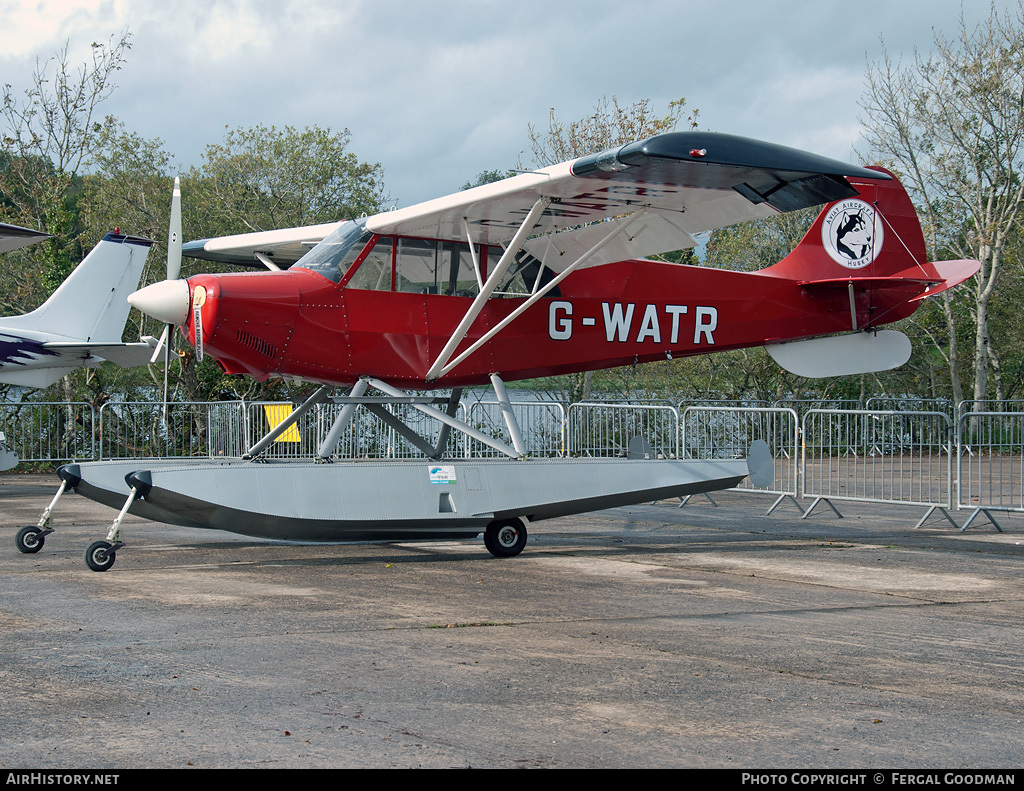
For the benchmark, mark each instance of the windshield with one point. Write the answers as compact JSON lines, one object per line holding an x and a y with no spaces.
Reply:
{"x":334,"y":255}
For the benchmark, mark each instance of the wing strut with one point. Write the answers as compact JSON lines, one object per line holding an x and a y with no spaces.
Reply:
{"x":473,"y":253}
{"x":621,"y":226}
{"x":488,"y":287}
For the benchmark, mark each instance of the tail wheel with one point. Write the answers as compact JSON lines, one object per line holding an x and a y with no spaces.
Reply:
{"x":100,"y":556}
{"x":28,"y":540}
{"x":505,"y":538}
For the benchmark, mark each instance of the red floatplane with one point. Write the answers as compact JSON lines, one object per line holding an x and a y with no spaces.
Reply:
{"x":540,"y":274}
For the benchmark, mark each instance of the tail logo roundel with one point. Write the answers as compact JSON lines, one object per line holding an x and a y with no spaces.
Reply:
{"x":852,"y":233}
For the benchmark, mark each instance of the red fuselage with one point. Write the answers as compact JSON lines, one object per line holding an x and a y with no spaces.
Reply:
{"x":300,"y":324}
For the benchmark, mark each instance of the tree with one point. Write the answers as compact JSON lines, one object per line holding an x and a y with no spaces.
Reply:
{"x":611,"y":124}
{"x":128,"y":186}
{"x":49,"y":136}
{"x":952,"y":125}
{"x":488,"y":177}
{"x":262,"y":178}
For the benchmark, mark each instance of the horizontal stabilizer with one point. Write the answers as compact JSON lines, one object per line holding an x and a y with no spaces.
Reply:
{"x":14,"y":236}
{"x":126,"y":355}
{"x":953,"y":273}
{"x":34,"y":377}
{"x":843,"y":355}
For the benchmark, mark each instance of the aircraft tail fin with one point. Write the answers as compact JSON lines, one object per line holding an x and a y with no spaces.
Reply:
{"x":92,"y":303}
{"x":863,"y":258}
{"x":874,"y":235}
{"x":871,"y":247}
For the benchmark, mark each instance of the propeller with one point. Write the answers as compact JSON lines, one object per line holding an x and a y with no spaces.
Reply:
{"x":163,"y":300}
{"x":173,"y":270}
{"x":173,"y":266}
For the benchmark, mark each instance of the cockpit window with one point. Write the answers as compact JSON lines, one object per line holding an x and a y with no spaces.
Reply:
{"x":335,"y":254}
{"x":374,"y":273}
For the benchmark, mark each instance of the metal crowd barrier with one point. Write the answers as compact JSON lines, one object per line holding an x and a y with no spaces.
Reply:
{"x":881,"y":457}
{"x":49,"y":431}
{"x":199,"y":428}
{"x":991,"y":476}
{"x":718,"y":432}
{"x":802,"y":405}
{"x":909,"y":404}
{"x":542,"y":423}
{"x":915,"y":457}
{"x":604,"y":430}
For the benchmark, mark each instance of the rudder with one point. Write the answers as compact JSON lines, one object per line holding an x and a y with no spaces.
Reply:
{"x":92,"y":303}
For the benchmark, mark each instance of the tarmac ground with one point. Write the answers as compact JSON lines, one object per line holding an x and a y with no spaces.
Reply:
{"x":650,"y":636}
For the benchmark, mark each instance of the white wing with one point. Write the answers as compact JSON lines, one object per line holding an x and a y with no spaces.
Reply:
{"x":688,"y":181}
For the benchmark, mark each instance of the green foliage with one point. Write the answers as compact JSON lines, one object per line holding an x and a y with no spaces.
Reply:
{"x":49,"y":135}
{"x":261,"y":178}
{"x":951,"y":124}
{"x":488,"y":177}
{"x":611,"y":124}
{"x":758,"y":244}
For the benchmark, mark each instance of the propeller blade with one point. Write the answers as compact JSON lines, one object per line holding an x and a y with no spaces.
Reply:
{"x":174,"y":234}
{"x":167,"y":368}
{"x":160,"y":344}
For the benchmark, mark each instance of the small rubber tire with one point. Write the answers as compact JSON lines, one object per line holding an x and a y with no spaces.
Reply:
{"x":505,"y":538}
{"x":28,"y":540}
{"x":99,"y":556}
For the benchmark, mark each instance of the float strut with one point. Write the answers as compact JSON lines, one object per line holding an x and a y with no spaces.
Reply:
{"x":508,"y":414}
{"x":340,"y":423}
{"x":287,"y":423}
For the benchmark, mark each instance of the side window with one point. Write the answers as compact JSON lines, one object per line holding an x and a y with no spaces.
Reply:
{"x":418,"y":266}
{"x":446,"y":268}
{"x":458,"y":279}
{"x":512,"y":284}
{"x":374,"y":273}
{"x":522,"y":276}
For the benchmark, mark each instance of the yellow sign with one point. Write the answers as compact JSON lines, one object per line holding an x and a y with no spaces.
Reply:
{"x":277,"y":413}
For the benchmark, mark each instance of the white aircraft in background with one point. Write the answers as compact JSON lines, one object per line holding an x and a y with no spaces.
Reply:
{"x":82,"y":321}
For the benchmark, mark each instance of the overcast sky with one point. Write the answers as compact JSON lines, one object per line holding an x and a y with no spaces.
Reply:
{"x":439,"y":91}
